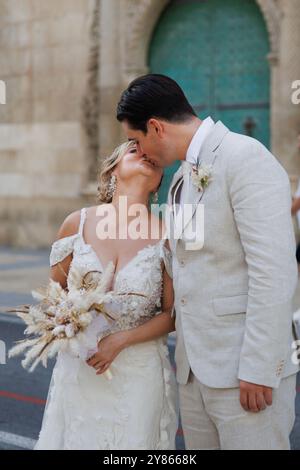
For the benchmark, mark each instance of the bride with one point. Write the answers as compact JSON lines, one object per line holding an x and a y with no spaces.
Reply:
{"x":137,"y":408}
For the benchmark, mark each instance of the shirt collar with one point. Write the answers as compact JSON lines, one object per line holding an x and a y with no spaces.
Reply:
{"x":198,"y":139}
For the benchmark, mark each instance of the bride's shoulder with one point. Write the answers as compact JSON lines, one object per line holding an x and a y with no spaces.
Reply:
{"x":70,"y":225}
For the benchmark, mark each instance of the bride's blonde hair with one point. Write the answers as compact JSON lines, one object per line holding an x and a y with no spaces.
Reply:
{"x":106,"y":169}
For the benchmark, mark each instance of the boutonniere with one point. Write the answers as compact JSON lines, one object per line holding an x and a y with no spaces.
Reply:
{"x":201,"y":176}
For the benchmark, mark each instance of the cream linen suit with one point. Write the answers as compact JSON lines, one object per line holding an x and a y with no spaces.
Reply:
{"x":233,"y":298}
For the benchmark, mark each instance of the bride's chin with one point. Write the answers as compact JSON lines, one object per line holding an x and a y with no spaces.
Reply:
{"x":147,"y":169}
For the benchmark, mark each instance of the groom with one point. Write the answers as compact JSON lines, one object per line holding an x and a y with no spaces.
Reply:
{"x":233,"y":291}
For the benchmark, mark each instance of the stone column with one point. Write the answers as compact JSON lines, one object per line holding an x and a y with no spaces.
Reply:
{"x":110,"y":76}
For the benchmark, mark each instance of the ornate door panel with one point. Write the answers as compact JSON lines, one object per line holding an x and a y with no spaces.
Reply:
{"x":217,"y":51}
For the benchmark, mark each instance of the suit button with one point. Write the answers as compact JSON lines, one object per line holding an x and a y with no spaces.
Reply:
{"x":182,"y":263}
{"x":183,"y":301}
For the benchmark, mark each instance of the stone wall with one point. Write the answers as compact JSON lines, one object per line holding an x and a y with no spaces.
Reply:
{"x":44,"y":50}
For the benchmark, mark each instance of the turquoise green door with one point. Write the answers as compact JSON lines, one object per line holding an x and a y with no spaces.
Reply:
{"x":217,"y":51}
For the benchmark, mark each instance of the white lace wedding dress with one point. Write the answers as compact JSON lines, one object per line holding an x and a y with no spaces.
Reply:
{"x":138,"y":408}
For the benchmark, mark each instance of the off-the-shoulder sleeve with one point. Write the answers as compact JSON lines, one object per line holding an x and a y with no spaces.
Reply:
{"x":62,"y":248}
{"x":166,"y":256}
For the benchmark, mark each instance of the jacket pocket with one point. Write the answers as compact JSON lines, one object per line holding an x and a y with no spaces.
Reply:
{"x":230,"y":305}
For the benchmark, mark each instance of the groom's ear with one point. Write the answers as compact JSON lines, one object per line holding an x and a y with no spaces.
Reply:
{"x":156,"y":126}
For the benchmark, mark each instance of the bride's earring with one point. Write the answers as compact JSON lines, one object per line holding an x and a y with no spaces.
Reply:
{"x":112,"y":186}
{"x":155,"y":197}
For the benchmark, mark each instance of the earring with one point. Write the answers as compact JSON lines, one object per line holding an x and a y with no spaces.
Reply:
{"x":112,"y":186}
{"x":155,"y":197}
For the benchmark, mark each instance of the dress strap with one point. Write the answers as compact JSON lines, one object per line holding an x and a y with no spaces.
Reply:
{"x":82,"y":220}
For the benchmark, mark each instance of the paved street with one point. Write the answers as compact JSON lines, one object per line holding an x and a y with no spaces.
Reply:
{"x":23,"y":395}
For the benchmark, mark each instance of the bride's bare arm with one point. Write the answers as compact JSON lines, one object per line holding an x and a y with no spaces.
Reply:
{"x":110,"y":346}
{"x":160,"y":324}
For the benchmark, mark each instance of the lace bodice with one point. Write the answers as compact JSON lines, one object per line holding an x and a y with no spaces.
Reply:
{"x":142,"y":275}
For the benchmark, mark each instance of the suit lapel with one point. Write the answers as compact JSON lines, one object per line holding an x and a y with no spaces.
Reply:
{"x":176,"y":181}
{"x":174,"y":188}
{"x":207,"y":156}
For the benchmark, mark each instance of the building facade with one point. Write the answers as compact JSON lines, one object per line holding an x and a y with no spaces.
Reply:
{"x":65,"y":64}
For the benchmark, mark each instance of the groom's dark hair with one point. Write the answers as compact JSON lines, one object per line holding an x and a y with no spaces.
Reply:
{"x":153,"y":96}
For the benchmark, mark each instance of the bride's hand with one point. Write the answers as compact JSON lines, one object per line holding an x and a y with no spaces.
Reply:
{"x":108,"y":348}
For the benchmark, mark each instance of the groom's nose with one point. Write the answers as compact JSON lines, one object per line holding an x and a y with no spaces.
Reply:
{"x":139,"y":152}
{"x":139,"y":149}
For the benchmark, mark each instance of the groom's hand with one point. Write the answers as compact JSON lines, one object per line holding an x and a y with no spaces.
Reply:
{"x":255,"y":397}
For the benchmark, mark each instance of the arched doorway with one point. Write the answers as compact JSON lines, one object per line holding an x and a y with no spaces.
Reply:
{"x":217,"y":51}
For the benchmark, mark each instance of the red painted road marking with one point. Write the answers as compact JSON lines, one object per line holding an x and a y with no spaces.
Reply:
{"x":16,"y":396}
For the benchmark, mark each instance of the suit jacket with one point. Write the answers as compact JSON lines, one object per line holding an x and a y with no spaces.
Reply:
{"x":233,"y":296}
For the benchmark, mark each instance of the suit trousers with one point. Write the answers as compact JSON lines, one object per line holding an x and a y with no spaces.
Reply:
{"x":213,"y":418}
